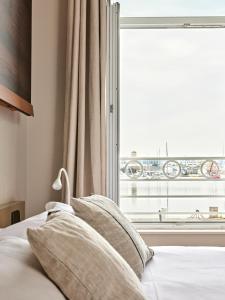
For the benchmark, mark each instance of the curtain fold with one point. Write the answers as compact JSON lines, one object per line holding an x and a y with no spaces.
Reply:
{"x":85,"y":116}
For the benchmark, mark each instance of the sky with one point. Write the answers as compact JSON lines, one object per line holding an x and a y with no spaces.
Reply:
{"x":154,"y":8}
{"x":172,"y":82}
{"x":172,"y":89}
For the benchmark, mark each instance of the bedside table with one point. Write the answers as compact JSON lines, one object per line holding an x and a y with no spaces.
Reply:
{"x":11,"y":213}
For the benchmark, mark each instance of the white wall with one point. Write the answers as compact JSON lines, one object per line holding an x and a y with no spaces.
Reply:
{"x":184,"y":237}
{"x":13,"y":142}
{"x":45,"y":130}
{"x":31,"y":148}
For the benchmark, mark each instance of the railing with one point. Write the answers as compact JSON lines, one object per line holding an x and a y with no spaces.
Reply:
{"x":173,"y":175}
{"x":172,"y":168}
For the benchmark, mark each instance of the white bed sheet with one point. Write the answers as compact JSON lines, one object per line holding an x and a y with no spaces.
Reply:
{"x":20,"y":229}
{"x":186,"y":273}
{"x":174,"y":273}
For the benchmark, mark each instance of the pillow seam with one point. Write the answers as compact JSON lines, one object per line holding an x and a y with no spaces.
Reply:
{"x":123,"y":229}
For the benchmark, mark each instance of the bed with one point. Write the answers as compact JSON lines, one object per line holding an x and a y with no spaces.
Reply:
{"x":175,"y":273}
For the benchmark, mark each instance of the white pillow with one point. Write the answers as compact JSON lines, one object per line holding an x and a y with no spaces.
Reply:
{"x":81,"y":262}
{"x":22,"y":277}
{"x":107,"y":219}
{"x":59,"y":206}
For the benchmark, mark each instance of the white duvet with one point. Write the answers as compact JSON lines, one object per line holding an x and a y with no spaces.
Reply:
{"x":21,"y":276}
{"x":20,"y":229}
{"x":174,"y":273}
{"x":186,"y":273}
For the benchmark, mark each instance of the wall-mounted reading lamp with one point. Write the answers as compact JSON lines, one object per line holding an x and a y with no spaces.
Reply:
{"x":57,"y":185}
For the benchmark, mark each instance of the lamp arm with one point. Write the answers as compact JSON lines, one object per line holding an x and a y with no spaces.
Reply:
{"x":68,"y":196}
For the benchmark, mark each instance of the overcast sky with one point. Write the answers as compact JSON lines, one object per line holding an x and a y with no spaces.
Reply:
{"x":154,"y":8}
{"x":173,"y":89}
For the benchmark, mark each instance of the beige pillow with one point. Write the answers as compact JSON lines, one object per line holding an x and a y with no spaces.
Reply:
{"x":105,"y":217}
{"x":81,"y":262}
{"x":22,"y":277}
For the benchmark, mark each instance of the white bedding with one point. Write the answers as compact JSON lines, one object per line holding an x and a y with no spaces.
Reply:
{"x":22,"y":277}
{"x":174,"y":273}
{"x":186,"y":273}
{"x":20,"y":229}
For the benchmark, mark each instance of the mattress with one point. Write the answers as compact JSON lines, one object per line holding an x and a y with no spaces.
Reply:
{"x":174,"y":273}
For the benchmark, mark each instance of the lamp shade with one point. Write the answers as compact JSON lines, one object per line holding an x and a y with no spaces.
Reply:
{"x":57,"y":185}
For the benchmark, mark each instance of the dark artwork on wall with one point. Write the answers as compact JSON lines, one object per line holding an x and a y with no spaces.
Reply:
{"x":15,"y":54}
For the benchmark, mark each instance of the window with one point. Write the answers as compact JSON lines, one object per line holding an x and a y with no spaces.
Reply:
{"x":172,"y":142}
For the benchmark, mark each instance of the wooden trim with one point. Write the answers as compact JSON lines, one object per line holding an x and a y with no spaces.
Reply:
{"x":7,"y":209}
{"x":15,"y":102}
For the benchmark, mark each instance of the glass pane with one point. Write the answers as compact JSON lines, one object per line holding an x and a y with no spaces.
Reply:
{"x":172,"y":92}
{"x":171,"y":8}
{"x":172,"y":123}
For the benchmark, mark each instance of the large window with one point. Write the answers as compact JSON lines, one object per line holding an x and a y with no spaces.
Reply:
{"x":172,"y":107}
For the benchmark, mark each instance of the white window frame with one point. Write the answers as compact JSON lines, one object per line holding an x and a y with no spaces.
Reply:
{"x":115,"y":24}
{"x":171,"y":22}
{"x":112,"y":105}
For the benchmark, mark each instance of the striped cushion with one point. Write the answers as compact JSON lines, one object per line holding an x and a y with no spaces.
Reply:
{"x":106,"y":218}
{"x":81,"y":262}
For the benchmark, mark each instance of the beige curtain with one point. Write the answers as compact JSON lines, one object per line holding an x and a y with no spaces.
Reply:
{"x":85,"y":121}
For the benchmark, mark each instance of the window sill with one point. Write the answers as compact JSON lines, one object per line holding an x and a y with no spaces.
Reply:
{"x":181,"y":236}
{"x":146,"y":228}
{"x":181,"y":231}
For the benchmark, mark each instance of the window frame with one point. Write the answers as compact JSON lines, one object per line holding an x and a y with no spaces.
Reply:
{"x":112,"y":102}
{"x":113,"y":80}
{"x":171,"y":22}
